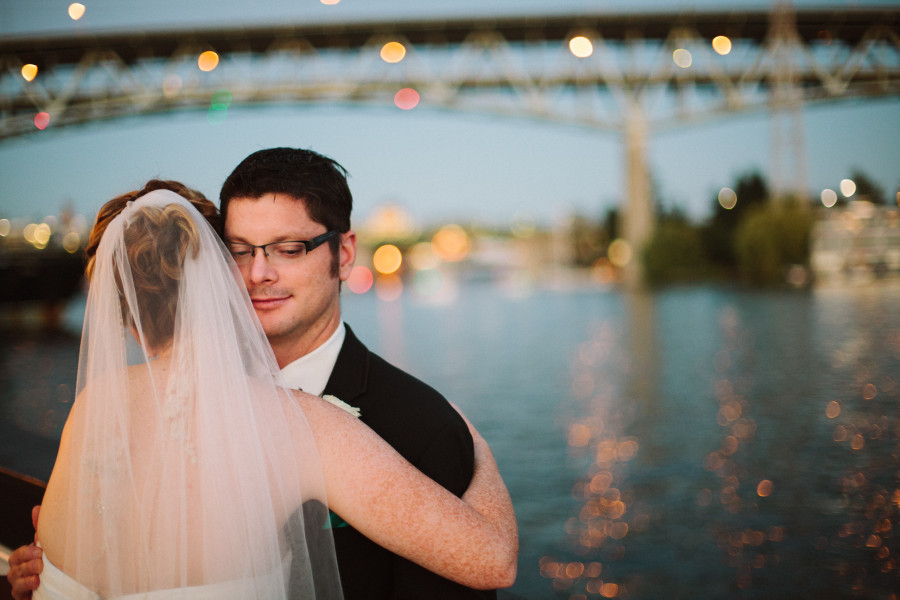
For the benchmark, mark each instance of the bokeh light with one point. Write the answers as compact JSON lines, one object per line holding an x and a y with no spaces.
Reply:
{"x":682,"y":58}
{"x":28,"y":233}
{"x":171,"y":85}
{"x":388,"y":287}
{"x":848,"y":187}
{"x":764,"y":489}
{"x":37,"y":234}
{"x":42,"y":234}
{"x":221,"y":99}
{"x":72,"y":242}
{"x":829,"y":198}
{"x":207,"y":61}
{"x":360,"y":280}
{"x":76,"y":11}
{"x":218,"y":106}
{"x":5,"y":227}
{"x":391,"y":222}
{"x":29,"y":72}
{"x":393,"y":52}
{"x":579,"y":435}
{"x":609,"y":590}
{"x":619,"y":253}
{"x":42,"y":120}
{"x":422,"y":256}
{"x":727,"y":198}
{"x":387,"y":259}
{"x":581,"y":47}
{"x":839,"y":434}
{"x":451,"y":243}
{"x":721,"y":44}
{"x":330,"y":2}
{"x":407,"y":99}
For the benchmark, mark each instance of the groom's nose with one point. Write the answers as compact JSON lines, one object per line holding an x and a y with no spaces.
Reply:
{"x":259,"y":270}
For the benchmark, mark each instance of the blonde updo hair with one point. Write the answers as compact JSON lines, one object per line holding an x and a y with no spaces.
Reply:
{"x":112,"y":208}
{"x":157,"y":242}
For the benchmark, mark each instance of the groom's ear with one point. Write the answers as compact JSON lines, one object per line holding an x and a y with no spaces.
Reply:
{"x":346,"y":254}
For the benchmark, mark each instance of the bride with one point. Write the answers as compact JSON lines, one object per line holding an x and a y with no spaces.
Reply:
{"x":186,"y":468}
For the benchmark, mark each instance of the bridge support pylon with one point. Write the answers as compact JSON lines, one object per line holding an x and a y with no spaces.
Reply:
{"x":638,"y":217}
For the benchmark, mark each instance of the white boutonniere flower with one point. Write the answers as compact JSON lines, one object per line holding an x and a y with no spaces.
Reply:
{"x":342,"y":405}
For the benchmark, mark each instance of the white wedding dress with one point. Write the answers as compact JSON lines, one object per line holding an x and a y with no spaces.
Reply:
{"x":56,"y":585}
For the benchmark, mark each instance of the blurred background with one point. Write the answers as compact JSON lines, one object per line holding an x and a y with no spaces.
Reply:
{"x":652,"y":249}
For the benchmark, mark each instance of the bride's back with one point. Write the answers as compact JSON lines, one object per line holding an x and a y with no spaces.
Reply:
{"x":172,"y":500}
{"x":182,"y":458}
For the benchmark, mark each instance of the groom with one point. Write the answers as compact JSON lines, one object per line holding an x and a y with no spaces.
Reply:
{"x":285,"y":194}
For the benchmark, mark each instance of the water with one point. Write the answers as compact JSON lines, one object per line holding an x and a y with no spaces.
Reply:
{"x":698,"y":442}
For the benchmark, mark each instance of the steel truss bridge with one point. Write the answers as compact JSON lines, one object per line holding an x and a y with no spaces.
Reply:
{"x":646,"y":72}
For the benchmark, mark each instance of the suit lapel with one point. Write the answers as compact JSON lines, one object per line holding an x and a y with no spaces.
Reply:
{"x":349,"y":378}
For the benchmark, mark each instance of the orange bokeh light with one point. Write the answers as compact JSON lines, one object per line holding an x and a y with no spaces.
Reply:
{"x":451,"y":243}
{"x":579,"y":435}
{"x":207,"y":61}
{"x":721,"y":44}
{"x":387,"y":259}
{"x":393,"y":52}
{"x":29,"y":72}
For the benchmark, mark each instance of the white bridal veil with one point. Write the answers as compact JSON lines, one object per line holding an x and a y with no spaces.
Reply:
{"x":185,"y":463}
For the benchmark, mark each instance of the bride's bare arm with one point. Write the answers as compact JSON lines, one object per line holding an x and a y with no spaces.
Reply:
{"x":472,"y":541}
{"x":487,"y":493}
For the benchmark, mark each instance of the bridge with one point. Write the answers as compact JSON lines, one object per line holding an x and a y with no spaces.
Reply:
{"x":628,"y":73}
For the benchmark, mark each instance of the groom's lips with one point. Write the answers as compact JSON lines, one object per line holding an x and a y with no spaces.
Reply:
{"x":268,"y":303}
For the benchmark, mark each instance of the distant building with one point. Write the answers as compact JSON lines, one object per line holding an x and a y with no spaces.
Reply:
{"x":856,"y":244}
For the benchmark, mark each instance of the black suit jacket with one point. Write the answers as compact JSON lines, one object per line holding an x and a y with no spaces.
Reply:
{"x":422,"y":426}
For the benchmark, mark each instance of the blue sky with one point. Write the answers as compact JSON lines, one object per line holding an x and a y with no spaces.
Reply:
{"x":437,"y":164}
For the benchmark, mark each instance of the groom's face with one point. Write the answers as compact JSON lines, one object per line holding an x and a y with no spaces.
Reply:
{"x":297,"y":303}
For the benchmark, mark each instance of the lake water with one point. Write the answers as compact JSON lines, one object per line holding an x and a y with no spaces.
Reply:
{"x":698,"y":442}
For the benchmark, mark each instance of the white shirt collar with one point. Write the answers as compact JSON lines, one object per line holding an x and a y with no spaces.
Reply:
{"x":310,"y":373}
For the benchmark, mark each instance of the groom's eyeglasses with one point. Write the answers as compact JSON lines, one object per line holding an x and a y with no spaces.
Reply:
{"x":278,"y":253}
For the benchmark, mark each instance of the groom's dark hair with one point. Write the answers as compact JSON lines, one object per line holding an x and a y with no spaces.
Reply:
{"x":318,"y":181}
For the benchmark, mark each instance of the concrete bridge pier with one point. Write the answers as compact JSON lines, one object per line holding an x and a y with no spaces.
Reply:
{"x":637,"y":217}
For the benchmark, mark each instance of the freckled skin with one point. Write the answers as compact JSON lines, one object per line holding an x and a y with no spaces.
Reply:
{"x":473,"y":540}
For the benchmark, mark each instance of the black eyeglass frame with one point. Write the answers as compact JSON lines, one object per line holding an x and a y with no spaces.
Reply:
{"x":309,"y":245}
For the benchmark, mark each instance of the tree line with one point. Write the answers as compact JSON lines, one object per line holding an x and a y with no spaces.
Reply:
{"x":756,"y":239}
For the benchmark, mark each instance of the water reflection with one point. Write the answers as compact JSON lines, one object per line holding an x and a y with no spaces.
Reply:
{"x":693,"y":443}
{"x":607,"y":434}
{"x":796,"y":492}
